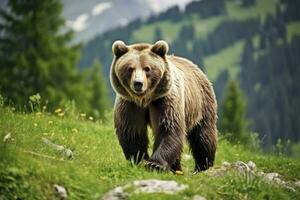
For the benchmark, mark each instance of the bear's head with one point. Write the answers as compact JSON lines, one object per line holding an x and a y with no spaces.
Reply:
{"x":140,"y":72}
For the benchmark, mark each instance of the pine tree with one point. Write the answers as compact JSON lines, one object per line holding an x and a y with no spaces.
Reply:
{"x":36,"y":55}
{"x":247,"y":63}
{"x":157,"y":34}
{"x":97,"y":85}
{"x":233,"y":122}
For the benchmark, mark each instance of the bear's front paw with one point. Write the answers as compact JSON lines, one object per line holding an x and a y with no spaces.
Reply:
{"x":154,"y":166}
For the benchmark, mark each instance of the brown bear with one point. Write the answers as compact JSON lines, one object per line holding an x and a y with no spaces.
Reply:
{"x":172,"y":96}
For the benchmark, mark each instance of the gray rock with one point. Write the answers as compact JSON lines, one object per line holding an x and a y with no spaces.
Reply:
{"x":297,"y":183}
{"x":226,"y":164}
{"x":241,"y":167}
{"x":251,"y":165}
{"x":290,"y":188}
{"x":269,"y":177}
{"x":274,"y":178}
{"x":60,"y":191}
{"x":117,"y":193}
{"x":144,"y":186}
{"x":197,"y":197}
{"x":158,"y":186}
{"x":261,"y":173}
{"x":279,"y":181}
{"x":217,"y":172}
{"x":68,"y":153}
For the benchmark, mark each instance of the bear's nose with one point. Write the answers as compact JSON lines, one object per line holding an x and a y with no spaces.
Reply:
{"x":138,"y":85}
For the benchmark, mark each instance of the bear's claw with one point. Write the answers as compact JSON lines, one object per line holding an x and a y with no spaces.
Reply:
{"x":155,"y":166}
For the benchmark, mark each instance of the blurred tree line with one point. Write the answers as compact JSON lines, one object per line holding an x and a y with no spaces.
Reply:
{"x":268,"y":73}
{"x":233,"y":114}
{"x":36,"y":56}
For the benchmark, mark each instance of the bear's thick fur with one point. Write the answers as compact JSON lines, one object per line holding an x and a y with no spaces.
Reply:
{"x":172,"y":96}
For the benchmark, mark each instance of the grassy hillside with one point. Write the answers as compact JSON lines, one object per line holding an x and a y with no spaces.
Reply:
{"x":171,"y":29}
{"x":227,"y":59}
{"x":204,"y":26}
{"x":29,"y":168}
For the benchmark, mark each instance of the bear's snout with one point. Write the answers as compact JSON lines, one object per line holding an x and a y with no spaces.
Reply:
{"x":138,"y":81}
{"x":138,"y":86}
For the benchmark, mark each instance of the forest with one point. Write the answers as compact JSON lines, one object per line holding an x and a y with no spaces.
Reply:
{"x":57,"y":133}
{"x":253,"y":42}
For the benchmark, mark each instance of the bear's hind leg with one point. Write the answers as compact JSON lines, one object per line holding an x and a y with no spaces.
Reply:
{"x":202,"y":140}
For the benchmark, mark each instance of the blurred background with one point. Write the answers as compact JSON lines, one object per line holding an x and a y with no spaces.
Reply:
{"x":59,"y":53}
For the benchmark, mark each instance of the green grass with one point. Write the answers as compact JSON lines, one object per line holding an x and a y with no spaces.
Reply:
{"x":170,"y":30}
{"x":229,"y":58}
{"x":203,"y":27}
{"x":293,"y":29}
{"x":99,"y":165}
{"x":261,"y":9}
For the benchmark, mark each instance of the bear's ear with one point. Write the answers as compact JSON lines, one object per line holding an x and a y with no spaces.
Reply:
{"x":119,"y":48}
{"x":160,"y":47}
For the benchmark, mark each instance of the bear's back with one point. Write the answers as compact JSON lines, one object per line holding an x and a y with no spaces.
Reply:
{"x":196,"y":85}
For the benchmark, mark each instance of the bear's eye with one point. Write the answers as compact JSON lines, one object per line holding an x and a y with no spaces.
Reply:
{"x":147,"y":69}
{"x":130,"y":69}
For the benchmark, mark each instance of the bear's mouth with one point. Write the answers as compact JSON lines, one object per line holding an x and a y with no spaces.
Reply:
{"x":139,"y":92}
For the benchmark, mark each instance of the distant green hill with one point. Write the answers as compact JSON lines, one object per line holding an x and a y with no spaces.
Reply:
{"x":233,"y":39}
{"x":29,"y":168}
{"x":139,"y":31}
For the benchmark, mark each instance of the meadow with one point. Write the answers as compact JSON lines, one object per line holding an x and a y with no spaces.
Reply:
{"x":30,"y":168}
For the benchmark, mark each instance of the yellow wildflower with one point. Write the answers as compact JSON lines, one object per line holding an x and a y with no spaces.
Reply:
{"x":179,"y":172}
{"x":61,"y":114}
{"x":58,"y":110}
{"x":74,"y":130}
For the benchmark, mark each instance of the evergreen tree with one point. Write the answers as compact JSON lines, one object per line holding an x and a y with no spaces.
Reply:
{"x":157,"y":34}
{"x":248,"y":3}
{"x":36,"y":55}
{"x":233,"y":123}
{"x":262,"y":40}
{"x":97,"y":86}
{"x":220,"y":85}
{"x":292,"y":10}
{"x":247,"y":63}
{"x":187,"y":32}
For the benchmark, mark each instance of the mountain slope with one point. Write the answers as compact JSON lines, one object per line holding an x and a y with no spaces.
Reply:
{"x":89,"y":18}
{"x":29,"y":168}
{"x":216,"y":36}
{"x":93,"y":17}
{"x":171,"y":29}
